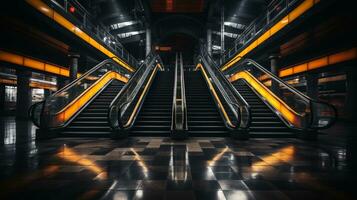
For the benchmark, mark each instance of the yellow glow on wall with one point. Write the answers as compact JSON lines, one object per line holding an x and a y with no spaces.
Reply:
{"x":294,"y":14}
{"x":320,"y":62}
{"x":289,"y":114}
{"x":67,"y":112}
{"x":49,"y":12}
{"x":199,"y":66}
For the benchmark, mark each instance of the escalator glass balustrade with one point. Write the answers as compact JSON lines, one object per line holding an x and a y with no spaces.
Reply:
{"x":294,"y":108}
{"x":62,"y":107}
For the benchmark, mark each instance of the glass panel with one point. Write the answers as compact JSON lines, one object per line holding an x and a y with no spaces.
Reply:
{"x":54,"y":107}
{"x":238,"y":108}
{"x":296,"y":108}
{"x":125,"y":106}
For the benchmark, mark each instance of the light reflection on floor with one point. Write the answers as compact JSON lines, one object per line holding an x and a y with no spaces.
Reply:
{"x":160,"y":168}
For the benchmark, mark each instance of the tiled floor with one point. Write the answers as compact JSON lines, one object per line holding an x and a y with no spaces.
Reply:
{"x":161,"y":168}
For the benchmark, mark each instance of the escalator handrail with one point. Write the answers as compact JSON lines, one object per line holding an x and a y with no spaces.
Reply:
{"x":121,"y":106}
{"x":238,"y":96}
{"x":237,"y":113}
{"x":68,"y":86}
{"x":114,"y":104}
{"x":183,"y":95}
{"x":123,"y":90}
{"x":179,"y":61}
{"x":306,"y":98}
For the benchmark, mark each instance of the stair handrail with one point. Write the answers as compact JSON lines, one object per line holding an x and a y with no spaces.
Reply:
{"x":312,"y":103}
{"x":179,"y":109}
{"x":244,"y":107}
{"x":41,"y":118}
{"x":123,"y":100}
{"x":232,"y":106}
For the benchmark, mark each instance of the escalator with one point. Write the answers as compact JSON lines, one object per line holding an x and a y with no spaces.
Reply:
{"x":154,"y":118}
{"x":264,"y":121}
{"x":81,"y":107}
{"x":203,"y":116}
{"x":92,"y":121}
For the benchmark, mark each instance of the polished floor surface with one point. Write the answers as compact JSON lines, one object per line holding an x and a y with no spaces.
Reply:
{"x":161,"y":168}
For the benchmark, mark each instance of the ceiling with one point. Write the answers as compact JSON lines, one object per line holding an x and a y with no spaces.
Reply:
{"x":170,"y":18}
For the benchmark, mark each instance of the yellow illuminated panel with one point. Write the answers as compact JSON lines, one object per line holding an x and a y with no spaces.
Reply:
{"x":289,"y":114}
{"x":49,"y":12}
{"x":32,"y":63}
{"x":320,"y":62}
{"x":67,"y":112}
{"x":199,"y":65}
{"x":298,"y":11}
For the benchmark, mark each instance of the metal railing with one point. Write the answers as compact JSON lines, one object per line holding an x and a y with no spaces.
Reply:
{"x":234,"y":103}
{"x":179,"y":125}
{"x":296,"y":109}
{"x":231,"y":93}
{"x":50,"y":113}
{"x":84,"y":20}
{"x":275,"y":10}
{"x":125,"y":107}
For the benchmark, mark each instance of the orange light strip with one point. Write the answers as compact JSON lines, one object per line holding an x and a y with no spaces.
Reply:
{"x":289,"y":114}
{"x":199,"y":65}
{"x":33,"y":63}
{"x":294,"y":14}
{"x":67,"y":112}
{"x":131,"y":118}
{"x":52,"y":14}
{"x":320,"y":62}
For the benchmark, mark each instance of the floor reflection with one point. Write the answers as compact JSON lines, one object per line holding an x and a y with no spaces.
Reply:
{"x":160,"y":168}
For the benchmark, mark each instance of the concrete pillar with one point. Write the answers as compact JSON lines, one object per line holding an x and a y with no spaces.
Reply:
{"x":209,"y":41}
{"x":312,"y":89}
{"x":148,"y":40}
{"x":222,"y":32}
{"x":24,"y":94}
{"x":73,"y":65}
{"x":2,"y":99}
{"x":274,"y":69}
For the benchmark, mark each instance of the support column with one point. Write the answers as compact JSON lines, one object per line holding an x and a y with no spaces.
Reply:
{"x":312,"y":87}
{"x":351,"y":110}
{"x":274,"y":69}
{"x":209,"y":41}
{"x":222,"y":32}
{"x":2,"y":99}
{"x":148,"y":41}
{"x":24,"y":97}
{"x":73,"y":65}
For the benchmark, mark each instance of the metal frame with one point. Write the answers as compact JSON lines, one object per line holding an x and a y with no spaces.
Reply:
{"x":179,"y":125}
